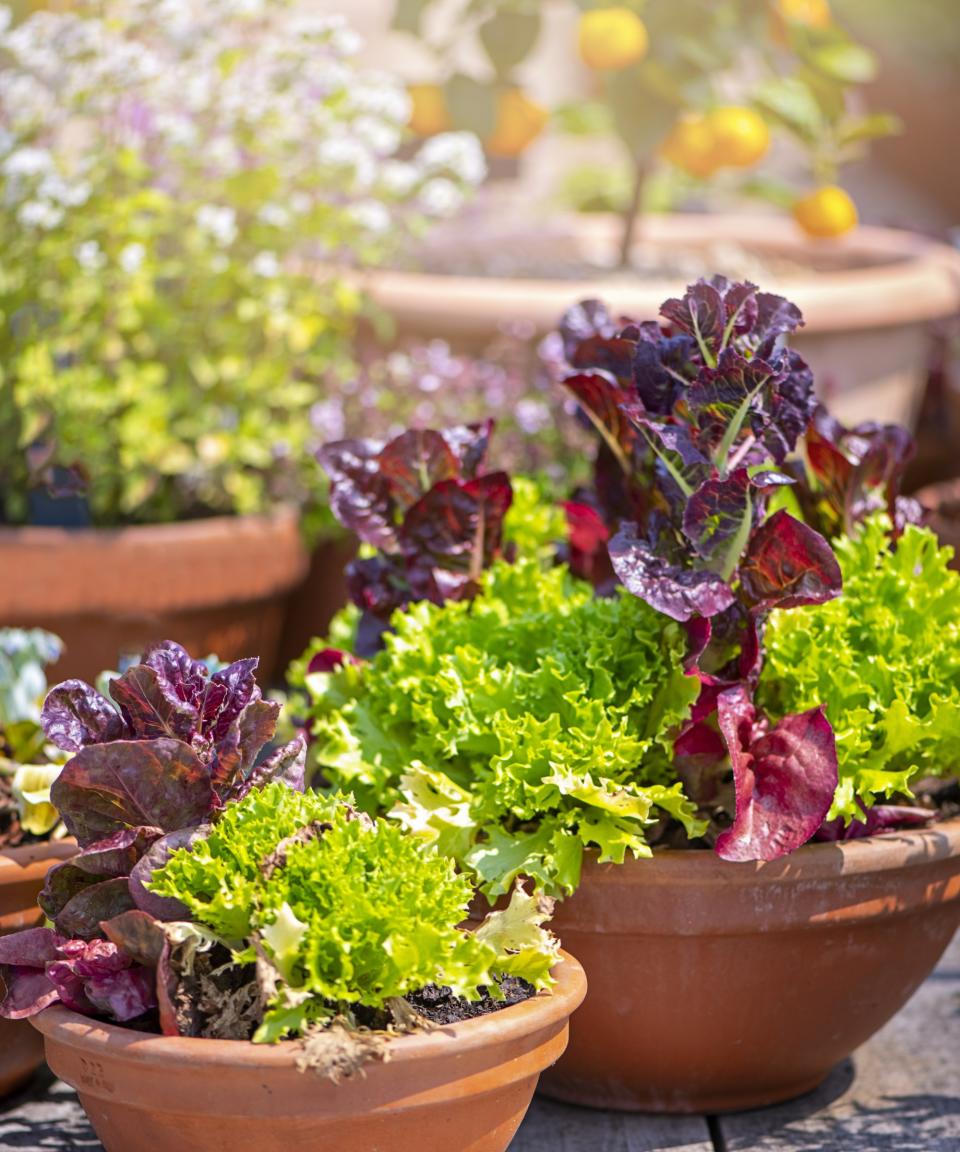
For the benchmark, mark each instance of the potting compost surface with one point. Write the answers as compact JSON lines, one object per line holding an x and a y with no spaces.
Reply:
{"x":899,"y":1093}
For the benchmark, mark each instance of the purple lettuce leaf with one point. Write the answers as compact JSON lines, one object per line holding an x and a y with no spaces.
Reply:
{"x":662,"y":369}
{"x":877,"y":820}
{"x":675,"y":591}
{"x":23,"y":960}
{"x":469,"y":443}
{"x":179,"y":675}
{"x":288,"y":763}
{"x":162,"y":907}
{"x":788,"y":565}
{"x":81,"y":916}
{"x":453,"y":533}
{"x":75,"y":715}
{"x":238,"y":749}
{"x":329,"y":660}
{"x":149,"y":711}
{"x":413,"y":462}
{"x":105,"y":860}
{"x":359,"y":492}
{"x":582,"y":322}
{"x":701,"y":313}
{"x":97,"y":977}
{"x":132,"y":784}
{"x":785,"y":778}
{"x":602,"y":399}
{"x":378,"y":584}
{"x":718,"y":513}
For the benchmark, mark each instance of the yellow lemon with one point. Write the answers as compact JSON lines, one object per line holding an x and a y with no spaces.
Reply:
{"x":428,"y":110}
{"x":827,"y":211}
{"x":520,"y":121}
{"x":691,"y":146}
{"x":740,"y":135}
{"x":612,"y":38}
{"x":806,"y":13}
{"x":811,"y":13}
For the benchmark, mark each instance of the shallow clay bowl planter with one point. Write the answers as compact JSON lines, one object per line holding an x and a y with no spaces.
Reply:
{"x":942,"y":505}
{"x":218,"y":585}
{"x":867,"y":298}
{"x":717,"y":986}
{"x":22,"y":872}
{"x":460,"y":1088}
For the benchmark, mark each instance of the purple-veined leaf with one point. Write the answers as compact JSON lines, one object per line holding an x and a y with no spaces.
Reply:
{"x":877,"y":820}
{"x":602,"y":399}
{"x":469,"y":443}
{"x":785,"y":778}
{"x":288,"y":764}
{"x":413,"y":462}
{"x":105,"y":860}
{"x":789,"y":565}
{"x":454,"y":532}
{"x":80,"y":917}
{"x":149,"y":711}
{"x":677,"y":592}
{"x":130,"y":784}
{"x":699,"y":312}
{"x":718,"y":514}
{"x":162,"y":907}
{"x":359,"y":492}
{"x":661,"y":369}
{"x":75,"y":715}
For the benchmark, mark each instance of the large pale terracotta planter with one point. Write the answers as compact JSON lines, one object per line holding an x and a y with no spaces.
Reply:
{"x":459,"y":1088}
{"x":216,"y":586}
{"x":717,"y":986}
{"x":868,"y":298}
{"x":22,"y":872}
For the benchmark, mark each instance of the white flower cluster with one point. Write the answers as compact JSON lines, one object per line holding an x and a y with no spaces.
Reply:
{"x":208,"y":95}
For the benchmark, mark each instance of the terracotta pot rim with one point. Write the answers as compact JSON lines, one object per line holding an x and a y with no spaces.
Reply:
{"x":198,"y":528}
{"x":825,"y":860}
{"x":146,"y":571}
{"x":539,"y":1012}
{"x":905,"y":278}
{"x":38,"y":856}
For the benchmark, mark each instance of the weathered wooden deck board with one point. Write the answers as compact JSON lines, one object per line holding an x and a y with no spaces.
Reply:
{"x":900,"y":1093}
{"x":551,"y":1127}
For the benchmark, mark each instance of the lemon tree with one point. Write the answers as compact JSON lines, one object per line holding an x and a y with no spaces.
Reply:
{"x":694,"y":90}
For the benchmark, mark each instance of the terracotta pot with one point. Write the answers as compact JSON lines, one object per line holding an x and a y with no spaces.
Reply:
{"x":942,"y":503}
{"x":22,"y":872}
{"x":867,"y":298}
{"x":717,"y":986}
{"x":314,"y":602}
{"x":459,"y":1088}
{"x":216,"y":586}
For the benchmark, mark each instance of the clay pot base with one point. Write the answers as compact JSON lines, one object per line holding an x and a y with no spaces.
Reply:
{"x":459,"y":1088}
{"x":717,"y":987}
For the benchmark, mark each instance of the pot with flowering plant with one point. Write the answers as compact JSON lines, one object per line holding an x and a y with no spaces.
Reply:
{"x":218,"y":922}
{"x":167,"y":332}
{"x":32,"y":838}
{"x":705,"y":103}
{"x":726,"y":762}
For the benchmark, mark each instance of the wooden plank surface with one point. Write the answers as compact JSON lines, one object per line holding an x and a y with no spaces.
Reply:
{"x":552,"y":1127}
{"x":899,"y":1093}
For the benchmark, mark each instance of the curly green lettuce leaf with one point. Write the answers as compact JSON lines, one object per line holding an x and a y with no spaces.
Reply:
{"x":344,"y":911}
{"x":516,"y":730}
{"x":885,"y":657}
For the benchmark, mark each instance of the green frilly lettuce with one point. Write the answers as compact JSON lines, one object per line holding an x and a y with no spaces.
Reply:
{"x":346,"y":910}
{"x":885,"y":659}
{"x":515,"y":730}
